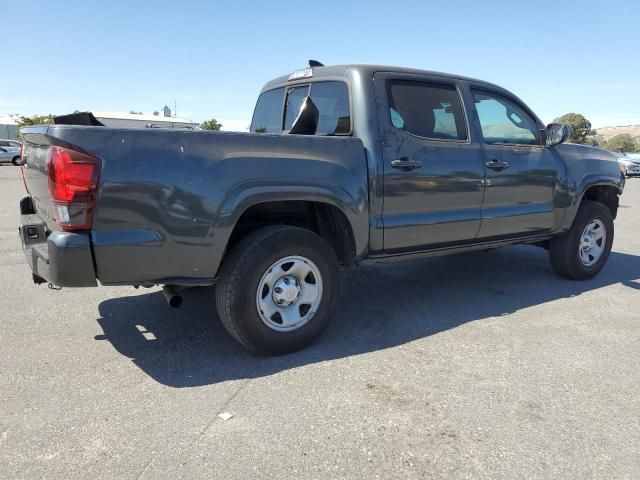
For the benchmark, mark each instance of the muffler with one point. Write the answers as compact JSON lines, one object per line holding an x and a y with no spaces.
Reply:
{"x":172,"y":295}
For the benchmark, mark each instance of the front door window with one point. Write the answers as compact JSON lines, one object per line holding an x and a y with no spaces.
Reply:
{"x":503,"y":121}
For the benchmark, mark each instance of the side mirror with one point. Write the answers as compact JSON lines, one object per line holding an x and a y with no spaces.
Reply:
{"x":557,"y":133}
{"x":2,"y":149}
{"x":306,"y":123}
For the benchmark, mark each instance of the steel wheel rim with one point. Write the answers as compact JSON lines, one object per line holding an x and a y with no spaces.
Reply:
{"x":289,"y":293}
{"x":592,"y":243}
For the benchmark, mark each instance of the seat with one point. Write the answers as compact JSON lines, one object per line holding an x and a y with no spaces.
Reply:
{"x":419,"y":120}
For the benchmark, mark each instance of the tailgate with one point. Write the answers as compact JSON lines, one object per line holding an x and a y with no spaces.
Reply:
{"x":59,"y":251}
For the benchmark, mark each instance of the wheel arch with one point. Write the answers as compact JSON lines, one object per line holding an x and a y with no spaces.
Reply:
{"x":605,"y":192}
{"x":331,"y":213}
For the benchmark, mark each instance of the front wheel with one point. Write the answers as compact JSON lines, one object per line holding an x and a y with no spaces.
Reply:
{"x":583,"y":251}
{"x":277,"y":289}
{"x":16,"y":161}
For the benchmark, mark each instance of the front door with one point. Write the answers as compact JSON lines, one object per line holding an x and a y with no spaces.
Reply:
{"x":433,"y":171}
{"x":521,"y":174}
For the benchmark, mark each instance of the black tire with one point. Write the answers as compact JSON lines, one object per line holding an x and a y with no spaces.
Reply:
{"x":242,"y":271}
{"x":564,"y":251}
{"x":16,"y":161}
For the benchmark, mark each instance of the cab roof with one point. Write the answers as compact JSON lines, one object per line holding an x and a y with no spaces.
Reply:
{"x":333,"y":71}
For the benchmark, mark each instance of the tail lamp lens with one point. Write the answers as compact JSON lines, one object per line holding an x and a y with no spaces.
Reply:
{"x":73,"y":183}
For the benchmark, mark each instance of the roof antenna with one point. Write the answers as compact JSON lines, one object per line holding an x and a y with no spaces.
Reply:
{"x":315,"y":63}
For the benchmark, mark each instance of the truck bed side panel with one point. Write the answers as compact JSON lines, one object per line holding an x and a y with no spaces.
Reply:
{"x":168,"y":200}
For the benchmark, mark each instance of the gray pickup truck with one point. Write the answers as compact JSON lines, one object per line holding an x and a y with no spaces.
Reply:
{"x":342,"y":164}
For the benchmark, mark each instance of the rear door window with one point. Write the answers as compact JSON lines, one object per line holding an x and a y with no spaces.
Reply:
{"x":428,"y":110}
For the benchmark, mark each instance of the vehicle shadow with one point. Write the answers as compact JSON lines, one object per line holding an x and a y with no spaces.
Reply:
{"x":381,"y":306}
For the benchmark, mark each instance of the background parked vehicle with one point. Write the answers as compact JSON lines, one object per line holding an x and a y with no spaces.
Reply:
{"x":630,"y":166}
{"x":10,"y":143}
{"x":10,"y":151}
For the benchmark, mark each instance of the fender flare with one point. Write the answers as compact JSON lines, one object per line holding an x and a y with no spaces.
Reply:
{"x":246,"y":195}
{"x":577,"y":197}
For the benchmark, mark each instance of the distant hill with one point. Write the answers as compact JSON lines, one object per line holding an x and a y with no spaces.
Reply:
{"x":608,"y":132}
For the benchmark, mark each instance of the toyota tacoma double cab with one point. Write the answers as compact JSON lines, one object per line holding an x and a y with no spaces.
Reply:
{"x":341,"y":164}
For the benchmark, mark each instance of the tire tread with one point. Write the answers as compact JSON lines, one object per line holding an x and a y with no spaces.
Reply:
{"x":562,"y":254}
{"x":238,"y":268}
{"x":230,"y":276}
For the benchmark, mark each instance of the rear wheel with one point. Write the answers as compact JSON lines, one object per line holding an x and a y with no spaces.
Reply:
{"x":16,"y":161}
{"x":583,"y":251}
{"x":277,"y":289}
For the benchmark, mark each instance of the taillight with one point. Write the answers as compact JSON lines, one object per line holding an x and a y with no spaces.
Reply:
{"x":73,"y":183}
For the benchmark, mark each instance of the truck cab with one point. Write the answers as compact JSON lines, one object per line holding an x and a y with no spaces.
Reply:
{"x":452,"y":160}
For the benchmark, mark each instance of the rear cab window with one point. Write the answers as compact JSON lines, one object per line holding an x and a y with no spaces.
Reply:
{"x":277,"y":109}
{"x":267,"y":117}
{"x":295,"y":97}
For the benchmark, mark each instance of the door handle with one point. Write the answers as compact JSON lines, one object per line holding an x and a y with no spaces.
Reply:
{"x":497,"y":165}
{"x":405,"y":164}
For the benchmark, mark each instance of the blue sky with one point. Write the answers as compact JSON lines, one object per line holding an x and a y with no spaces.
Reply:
{"x":213,"y":57}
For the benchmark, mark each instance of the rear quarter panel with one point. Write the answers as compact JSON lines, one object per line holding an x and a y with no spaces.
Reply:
{"x":168,"y":200}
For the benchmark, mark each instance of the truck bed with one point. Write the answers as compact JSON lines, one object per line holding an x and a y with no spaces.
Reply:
{"x":167,"y":201}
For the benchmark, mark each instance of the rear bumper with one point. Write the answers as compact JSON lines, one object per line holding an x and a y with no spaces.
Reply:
{"x":61,"y":258}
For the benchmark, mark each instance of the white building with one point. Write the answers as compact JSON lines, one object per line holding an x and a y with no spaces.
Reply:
{"x":9,"y":126}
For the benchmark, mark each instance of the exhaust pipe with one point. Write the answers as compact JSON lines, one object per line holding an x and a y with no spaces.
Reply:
{"x":172,"y":295}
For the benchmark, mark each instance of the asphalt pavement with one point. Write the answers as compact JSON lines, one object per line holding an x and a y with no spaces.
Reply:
{"x":482,"y":365}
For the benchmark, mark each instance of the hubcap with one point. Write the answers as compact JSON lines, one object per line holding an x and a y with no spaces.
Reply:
{"x":592,"y":242}
{"x":286,"y":290}
{"x":289,"y":293}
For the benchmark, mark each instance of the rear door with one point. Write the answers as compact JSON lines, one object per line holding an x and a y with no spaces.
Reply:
{"x":522,"y":175}
{"x":433,"y":170}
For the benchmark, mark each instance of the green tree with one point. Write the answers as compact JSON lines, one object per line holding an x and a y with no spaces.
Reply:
{"x":133,"y":112}
{"x":580,"y":127}
{"x":622,"y":143}
{"x":212,"y":124}
{"x":35,"y":120}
